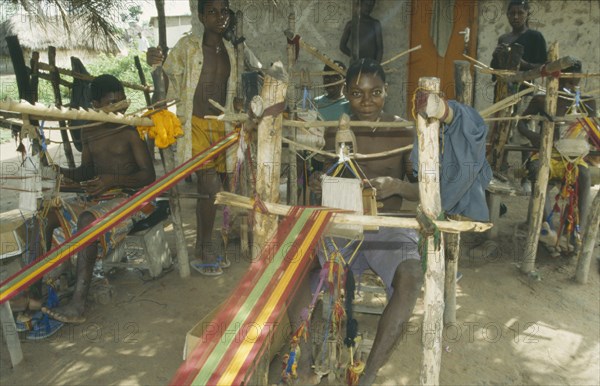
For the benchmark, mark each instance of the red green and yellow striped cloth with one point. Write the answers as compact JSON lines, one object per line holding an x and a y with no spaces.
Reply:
{"x":245,"y":323}
{"x":34,"y":271}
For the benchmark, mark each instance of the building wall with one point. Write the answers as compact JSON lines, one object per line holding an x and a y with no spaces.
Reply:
{"x":573,"y":23}
{"x":321,"y":23}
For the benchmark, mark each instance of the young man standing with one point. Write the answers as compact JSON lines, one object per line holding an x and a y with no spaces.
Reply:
{"x":199,"y":68}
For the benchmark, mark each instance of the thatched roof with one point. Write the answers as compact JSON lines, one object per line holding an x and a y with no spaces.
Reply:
{"x":38,"y":36}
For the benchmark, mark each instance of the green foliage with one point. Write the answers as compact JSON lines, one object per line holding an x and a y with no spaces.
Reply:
{"x":123,"y":67}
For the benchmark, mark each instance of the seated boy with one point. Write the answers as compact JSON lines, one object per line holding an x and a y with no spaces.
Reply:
{"x":114,"y":161}
{"x":333,"y":103}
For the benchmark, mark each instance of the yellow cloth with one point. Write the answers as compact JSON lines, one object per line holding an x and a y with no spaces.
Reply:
{"x":557,"y":165}
{"x":166,"y":128}
{"x":205,"y":132}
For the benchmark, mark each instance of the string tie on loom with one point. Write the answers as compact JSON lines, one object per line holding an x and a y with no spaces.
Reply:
{"x":545,"y":73}
{"x":428,"y":229}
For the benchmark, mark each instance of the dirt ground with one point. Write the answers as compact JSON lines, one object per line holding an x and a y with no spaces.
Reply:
{"x":511,"y":329}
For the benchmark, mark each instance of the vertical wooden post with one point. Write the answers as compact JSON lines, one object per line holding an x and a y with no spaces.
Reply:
{"x":463,"y":82}
{"x":168,"y":154}
{"x":138,"y":65}
{"x":268,"y":162}
{"x":464,"y":94}
{"x":293,"y":171}
{"x":140,"y":70}
{"x":18,"y":63}
{"x":9,"y":330}
{"x":431,"y":204}
{"x":58,"y":102}
{"x":539,"y":190}
{"x":244,"y":177}
{"x":33,"y":96}
{"x":452,"y":241}
{"x":590,"y":234}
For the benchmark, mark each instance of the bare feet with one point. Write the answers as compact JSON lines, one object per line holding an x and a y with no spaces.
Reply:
{"x":65,"y":314}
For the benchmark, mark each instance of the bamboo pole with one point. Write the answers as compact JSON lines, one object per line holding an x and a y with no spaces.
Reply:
{"x":58,"y":101}
{"x":39,"y":110}
{"x":539,"y":191}
{"x":269,"y":154}
{"x":431,"y":204}
{"x":64,"y":71}
{"x":447,"y":226}
{"x":590,"y":237}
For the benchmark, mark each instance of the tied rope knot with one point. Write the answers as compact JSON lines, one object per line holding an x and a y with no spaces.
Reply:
{"x":428,"y":229}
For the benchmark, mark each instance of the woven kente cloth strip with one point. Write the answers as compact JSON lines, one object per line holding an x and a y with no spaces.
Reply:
{"x":239,"y":334}
{"x":34,"y":271}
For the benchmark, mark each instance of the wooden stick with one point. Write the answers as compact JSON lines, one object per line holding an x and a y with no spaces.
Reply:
{"x":554,"y":66}
{"x":373,"y":125}
{"x":447,"y":226}
{"x":431,"y":204}
{"x":63,"y":71}
{"x":539,"y":191}
{"x":463,"y":82}
{"x":269,"y":154}
{"x":317,"y":54}
{"x":40,"y":110}
{"x":292,"y":198}
{"x":64,"y":135}
{"x":352,"y":155}
{"x":590,"y":233}
{"x":506,"y":102}
{"x":401,"y":55}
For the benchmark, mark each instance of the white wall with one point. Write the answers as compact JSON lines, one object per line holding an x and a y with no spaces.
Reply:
{"x":575,"y":24}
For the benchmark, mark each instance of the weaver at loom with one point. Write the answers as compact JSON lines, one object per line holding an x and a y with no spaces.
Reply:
{"x":392,"y":254}
{"x":569,"y":163}
{"x":114,"y":163}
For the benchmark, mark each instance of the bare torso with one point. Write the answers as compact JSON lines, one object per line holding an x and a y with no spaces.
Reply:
{"x":213,"y":81}
{"x":369,"y":141}
{"x":113,"y":151}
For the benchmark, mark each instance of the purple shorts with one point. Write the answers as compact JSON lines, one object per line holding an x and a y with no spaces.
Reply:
{"x":381,"y":251}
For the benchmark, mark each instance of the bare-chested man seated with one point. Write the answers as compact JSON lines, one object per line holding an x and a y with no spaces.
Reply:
{"x":392,"y":253}
{"x":114,"y":163}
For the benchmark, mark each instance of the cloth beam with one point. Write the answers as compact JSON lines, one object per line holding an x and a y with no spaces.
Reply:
{"x":245,"y":323}
{"x":34,"y":271}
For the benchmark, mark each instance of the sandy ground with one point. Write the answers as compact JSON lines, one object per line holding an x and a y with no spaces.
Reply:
{"x":510,"y":329}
